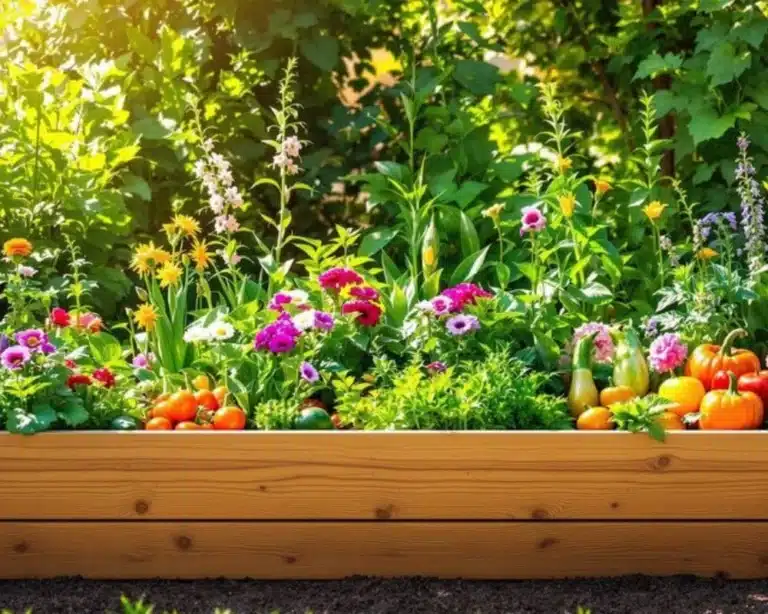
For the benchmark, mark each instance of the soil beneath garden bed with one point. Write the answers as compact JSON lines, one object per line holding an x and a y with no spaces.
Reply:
{"x":632,"y":595}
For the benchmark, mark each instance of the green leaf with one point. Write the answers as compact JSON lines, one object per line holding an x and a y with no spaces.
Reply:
{"x":105,"y":349}
{"x":725,"y":64}
{"x":752,"y":32}
{"x":706,"y":124}
{"x":470,"y":266}
{"x":322,"y":51}
{"x":151,"y":129}
{"x":393,"y":170}
{"x":655,"y":65}
{"x":470,"y":243}
{"x":596,"y":293}
{"x":73,"y":413}
{"x":376,"y":241}
{"x":391,"y":272}
{"x":478,"y":77}
{"x":703,"y":173}
{"x":468,"y":192}
{"x":138,"y":186}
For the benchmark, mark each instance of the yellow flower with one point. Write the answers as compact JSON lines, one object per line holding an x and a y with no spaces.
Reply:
{"x":602,"y":186}
{"x":169,"y":274}
{"x":148,"y":256}
{"x":567,"y":204}
{"x":186,"y":224}
{"x":494,"y":211}
{"x":429,"y":256}
{"x":17,"y":247}
{"x":145,"y":316}
{"x":654,"y":210}
{"x":170,"y":230}
{"x":200,"y":255}
{"x":706,"y":253}
{"x":564,"y":164}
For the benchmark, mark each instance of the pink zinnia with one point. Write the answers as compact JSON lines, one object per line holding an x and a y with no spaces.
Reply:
{"x":369,"y":313}
{"x":338,"y":278}
{"x":667,"y":352}
{"x":603,"y":343}
{"x":463,"y":295}
{"x":364,"y":292}
{"x":533,"y":220}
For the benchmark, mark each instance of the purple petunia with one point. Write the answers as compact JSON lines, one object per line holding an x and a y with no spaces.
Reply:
{"x":33,"y":339}
{"x":462,"y":324}
{"x":143,"y":361}
{"x":308,"y":373}
{"x":15,"y":357}
{"x":533,"y":220}
{"x":278,"y":337}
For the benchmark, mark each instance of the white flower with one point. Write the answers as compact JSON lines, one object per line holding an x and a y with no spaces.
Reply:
{"x":425,"y":306}
{"x":234,"y":197}
{"x":195,"y":334}
{"x":281,"y":160}
{"x":200,"y":169}
{"x":291,"y":146}
{"x":225,"y":176}
{"x":220,"y":331}
{"x":217,"y":203}
{"x":27,"y":271}
{"x":298,"y":297}
{"x":292,"y":168}
{"x":219,"y":161}
{"x":208,"y":145}
{"x":304,"y":320}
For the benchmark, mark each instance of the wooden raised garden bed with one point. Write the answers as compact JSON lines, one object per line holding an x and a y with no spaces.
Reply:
{"x":331,"y":505}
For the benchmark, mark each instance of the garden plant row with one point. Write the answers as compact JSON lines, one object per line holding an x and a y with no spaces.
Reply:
{"x":416,"y":374}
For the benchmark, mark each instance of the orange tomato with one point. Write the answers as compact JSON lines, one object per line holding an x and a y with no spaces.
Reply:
{"x":616,"y":394}
{"x":187,"y":426}
{"x":162,"y":397}
{"x":685,"y":393}
{"x":671,"y":421}
{"x":159,"y":424}
{"x":731,"y":410}
{"x":708,"y":359}
{"x":161,"y":410}
{"x":220,"y":392}
{"x":595,"y":419}
{"x":183,"y":406}
{"x":206,"y":426}
{"x":229,"y":419}
{"x":206,"y":399}
{"x":201,"y":382}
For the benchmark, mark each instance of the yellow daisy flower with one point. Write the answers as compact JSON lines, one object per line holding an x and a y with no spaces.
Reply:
{"x":564,"y":164}
{"x":567,"y":204}
{"x":494,"y":211}
{"x":602,"y":186}
{"x":200,"y":255}
{"x":706,"y":253}
{"x":169,"y":274}
{"x":654,"y":210}
{"x":146,"y":316}
{"x":186,"y":224}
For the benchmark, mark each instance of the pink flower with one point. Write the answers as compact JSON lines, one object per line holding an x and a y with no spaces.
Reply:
{"x":338,"y":278}
{"x":462,"y":295}
{"x":667,"y":352}
{"x":603,"y":343}
{"x":364,"y":292}
{"x":291,"y":146}
{"x":216,"y":203}
{"x":59,"y":317}
{"x":533,"y":220}
{"x":226,"y":223}
{"x":369,"y":313}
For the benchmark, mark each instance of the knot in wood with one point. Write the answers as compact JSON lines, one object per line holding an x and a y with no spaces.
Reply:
{"x":385,"y":512}
{"x":661,"y":463}
{"x":21,"y":547}
{"x":183,"y":542}
{"x":540,"y":514}
{"x":141,"y":506}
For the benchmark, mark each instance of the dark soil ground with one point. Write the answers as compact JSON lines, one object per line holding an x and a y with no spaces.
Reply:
{"x":635,"y":595}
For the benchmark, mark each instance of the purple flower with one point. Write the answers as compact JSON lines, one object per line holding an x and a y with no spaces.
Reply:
{"x":462,"y":324}
{"x":667,"y":353}
{"x":308,"y":373}
{"x":651,"y":328}
{"x":281,"y":343}
{"x":742,"y":142}
{"x":533,"y":220}
{"x":323,"y":320}
{"x":440,"y":305}
{"x":436,"y":367}
{"x":47,"y":348}
{"x":15,"y":357}
{"x":5,"y":343}
{"x":33,"y":339}
{"x":143,"y":361}
{"x":752,"y":211}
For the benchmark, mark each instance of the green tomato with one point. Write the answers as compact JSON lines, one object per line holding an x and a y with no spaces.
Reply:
{"x":313,"y":419}
{"x":124,"y":423}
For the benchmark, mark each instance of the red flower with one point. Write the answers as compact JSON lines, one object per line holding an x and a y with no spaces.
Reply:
{"x":370,"y":313}
{"x":60,"y":318}
{"x":78,"y":379}
{"x":336,"y":279}
{"x":364,"y":292}
{"x":70,"y":364}
{"x":105,"y":376}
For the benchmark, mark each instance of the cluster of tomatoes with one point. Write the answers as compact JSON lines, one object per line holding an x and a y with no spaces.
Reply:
{"x":204,"y":408}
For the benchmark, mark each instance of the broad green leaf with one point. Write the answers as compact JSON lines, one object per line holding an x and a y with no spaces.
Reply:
{"x":322,"y":51}
{"x":105,"y":349}
{"x":726,"y":64}
{"x":470,"y":243}
{"x":391,"y":272}
{"x":468,"y":192}
{"x":377,"y":240}
{"x":478,"y":77}
{"x":752,"y":31}
{"x":138,"y":186}
{"x":151,"y":129}
{"x":706,"y":124}
{"x":470,"y":266}
{"x":596,"y":293}
{"x":655,"y":65}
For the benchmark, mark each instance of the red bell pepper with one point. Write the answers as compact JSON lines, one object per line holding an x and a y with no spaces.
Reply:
{"x":749,"y":382}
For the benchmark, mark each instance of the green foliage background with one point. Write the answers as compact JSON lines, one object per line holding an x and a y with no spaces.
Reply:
{"x":102,"y":101}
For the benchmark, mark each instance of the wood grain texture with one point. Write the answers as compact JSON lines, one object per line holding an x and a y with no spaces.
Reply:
{"x":491,"y":550}
{"x":383,"y":476}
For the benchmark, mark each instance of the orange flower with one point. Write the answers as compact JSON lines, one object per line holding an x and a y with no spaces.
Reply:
{"x":17,"y":247}
{"x":602,"y":186}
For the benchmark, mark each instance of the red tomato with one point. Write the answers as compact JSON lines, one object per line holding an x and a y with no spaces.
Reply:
{"x":187,"y":426}
{"x":229,"y":419}
{"x":161,"y":410}
{"x":183,"y":406}
{"x":720,"y":380}
{"x":207,"y":400}
{"x":757,"y":383}
{"x":159,"y":424}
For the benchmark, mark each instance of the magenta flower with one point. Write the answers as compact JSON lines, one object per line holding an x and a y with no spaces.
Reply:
{"x":604,"y":347}
{"x":368,"y":313}
{"x":279,"y":337}
{"x":533,"y":220}
{"x":308,"y":373}
{"x":143,"y":361}
{"x":323,"y":320}
{"x":281,"y":343}
{"x":667,"y":353}
{"x":338,"y":278}
{"x":463,"y":295}
{"x":15,"y":357}
{"x":364,"y":292}
{"x":34,"y":339}
{"x":436,"y":367}
{"x":440,"y":305}
{"x":462,"y":324}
